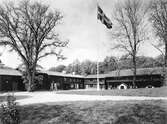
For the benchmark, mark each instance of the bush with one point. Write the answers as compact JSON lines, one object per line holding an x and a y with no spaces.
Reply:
{"x":9,"y":111}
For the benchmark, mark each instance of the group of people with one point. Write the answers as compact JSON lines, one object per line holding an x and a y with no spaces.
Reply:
{"x":53,"y":86}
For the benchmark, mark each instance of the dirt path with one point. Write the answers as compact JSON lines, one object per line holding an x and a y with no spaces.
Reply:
{"x":46,"y":97}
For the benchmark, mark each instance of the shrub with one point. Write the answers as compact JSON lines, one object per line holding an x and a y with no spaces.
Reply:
{"x":9,"y":111}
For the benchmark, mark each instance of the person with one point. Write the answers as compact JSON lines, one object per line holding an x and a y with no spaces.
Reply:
{"x":55,"y":86}
{"x":52,"y":86}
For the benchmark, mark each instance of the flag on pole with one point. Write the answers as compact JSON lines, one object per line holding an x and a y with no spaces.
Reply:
{"x":103,"y":18}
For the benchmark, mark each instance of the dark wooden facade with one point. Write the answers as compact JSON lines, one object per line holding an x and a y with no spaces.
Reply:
{"x":12,"y":80}
{"x":60,"y":80}
{"x":65,"y":83}
{"x":142,"y":81}
{"x":41,"y":82}
{"x":11,"y":83}
{"x":146,"y":77}
{"x":91,"y":83}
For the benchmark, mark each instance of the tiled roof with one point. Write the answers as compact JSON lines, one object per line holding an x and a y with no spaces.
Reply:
{"x":12,"y":72}
{"x":52,"y":73}
{"x":140,"y":71}
{"x":125,"y":72}
{"x":95,"y":76}
{"x":129,"y":72}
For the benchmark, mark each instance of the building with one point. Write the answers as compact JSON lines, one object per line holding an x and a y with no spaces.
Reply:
{"x":11,"y":79}
{"x":90,"y":81}
{"x":123,"y":79}
{"x":62,"y":81}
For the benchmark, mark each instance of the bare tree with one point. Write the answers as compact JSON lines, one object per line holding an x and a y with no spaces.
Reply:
{"x":130,"y":31}
{"x":28,"y":28}
{"x":159,"y":21}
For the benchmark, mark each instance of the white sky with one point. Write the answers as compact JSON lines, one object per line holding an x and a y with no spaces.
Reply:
{"x":89,"y":39}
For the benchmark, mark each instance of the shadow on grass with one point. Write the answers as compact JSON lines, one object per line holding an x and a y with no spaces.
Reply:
{"x":18,"y":97}
{"x":44,"y":114}
{"x":151,"y":92}
{"x":95,"y":113}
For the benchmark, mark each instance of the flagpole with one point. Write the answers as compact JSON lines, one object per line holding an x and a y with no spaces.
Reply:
{"x":98,"y":83}
{"x":106,"y":21}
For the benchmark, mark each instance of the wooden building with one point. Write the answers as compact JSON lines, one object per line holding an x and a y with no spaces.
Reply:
{"x":123,"y":79}
{"x":61,"y":81}
{"x":10,"y":80}
{"x":90,"y":81}
{"x":145,"y":77}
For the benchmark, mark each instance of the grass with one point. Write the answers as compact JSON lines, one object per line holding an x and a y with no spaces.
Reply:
{"x":99,"y":112}
{"x":3,"y":98}
{"x":106,"y":112}
{"x":151,"y":92}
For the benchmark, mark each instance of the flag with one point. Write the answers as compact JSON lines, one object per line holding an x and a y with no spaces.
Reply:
{"x":103,"y":18}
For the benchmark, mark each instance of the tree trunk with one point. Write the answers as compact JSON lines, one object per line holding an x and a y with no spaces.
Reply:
{"x":30,"y":77}
{"x":165,"y":65}
{"x":134,"y":72}
{"x":30,"y":81}
{"x":29,"y":89}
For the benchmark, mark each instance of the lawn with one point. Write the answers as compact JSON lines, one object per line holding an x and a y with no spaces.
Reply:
{"x":152,"y":92}
{"x":98,"y":112}
{"x":3,"y":98}
{"x":106,"y":112}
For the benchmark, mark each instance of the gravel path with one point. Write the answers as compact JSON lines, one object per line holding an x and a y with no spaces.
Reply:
{"x":46,"y":97}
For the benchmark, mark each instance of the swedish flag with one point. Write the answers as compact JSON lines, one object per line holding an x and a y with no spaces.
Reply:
{"x":103,"y":18}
